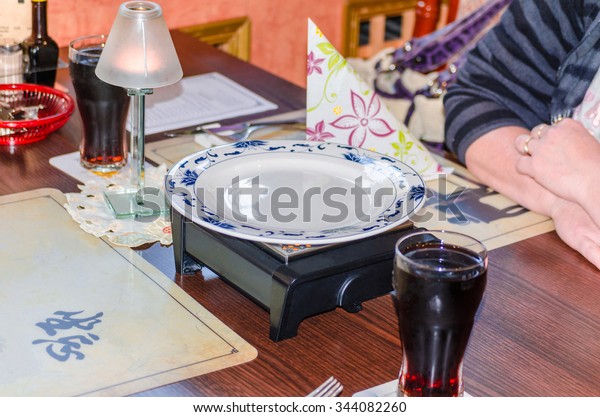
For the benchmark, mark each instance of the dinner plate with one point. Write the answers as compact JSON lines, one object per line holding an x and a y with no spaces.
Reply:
{"x":281,"y":191}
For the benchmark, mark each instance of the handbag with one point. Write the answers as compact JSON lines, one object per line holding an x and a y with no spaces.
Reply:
{"x":442,"y":52}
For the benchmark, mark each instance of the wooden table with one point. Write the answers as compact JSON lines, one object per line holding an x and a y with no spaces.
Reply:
{"x":538,"y":333}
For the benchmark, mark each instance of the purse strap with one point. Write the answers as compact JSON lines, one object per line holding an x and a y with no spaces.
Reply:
{"x":434,"y":51}
{"x":430,"y":52}
{"x":436,"y":87}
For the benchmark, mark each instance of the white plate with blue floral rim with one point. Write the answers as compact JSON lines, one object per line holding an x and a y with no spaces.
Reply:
{"x":281,"y":191}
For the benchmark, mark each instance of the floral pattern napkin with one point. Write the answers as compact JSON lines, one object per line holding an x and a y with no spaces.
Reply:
{"x":342,"y":107}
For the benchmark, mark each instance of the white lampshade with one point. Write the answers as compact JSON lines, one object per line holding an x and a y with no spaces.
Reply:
{"x":139,"y":51}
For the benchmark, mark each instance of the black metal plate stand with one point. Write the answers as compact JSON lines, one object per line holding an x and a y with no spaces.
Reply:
{"x":341,"y":275}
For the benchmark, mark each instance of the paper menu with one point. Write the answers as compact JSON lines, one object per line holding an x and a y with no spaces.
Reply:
{"x":200,"y":99}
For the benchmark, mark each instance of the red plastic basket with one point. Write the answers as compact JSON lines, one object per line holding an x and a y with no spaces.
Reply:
{"x":56,"y":110}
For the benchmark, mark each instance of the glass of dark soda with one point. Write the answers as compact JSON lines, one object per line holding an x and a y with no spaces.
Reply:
{"x":439,"y":281}
{"x":103,"y":108}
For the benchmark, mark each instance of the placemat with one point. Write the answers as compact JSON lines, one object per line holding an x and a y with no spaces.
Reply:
{"x":69,"y":164}
{"x":458,"y":202}
{"x":80,"y":317}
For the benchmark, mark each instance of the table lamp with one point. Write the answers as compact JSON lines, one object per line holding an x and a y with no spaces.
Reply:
{"x":139,"y":55}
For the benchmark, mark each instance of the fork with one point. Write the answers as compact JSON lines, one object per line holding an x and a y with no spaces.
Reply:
{"x":330,"y":388}
{"x":242,"y":133}
{"x":246,"y":132}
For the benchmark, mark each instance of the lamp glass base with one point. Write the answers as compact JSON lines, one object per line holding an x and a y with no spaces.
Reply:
{"x":123,"y":204}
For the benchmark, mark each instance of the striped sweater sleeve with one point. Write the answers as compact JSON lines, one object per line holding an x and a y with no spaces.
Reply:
{"x":510,"y":76}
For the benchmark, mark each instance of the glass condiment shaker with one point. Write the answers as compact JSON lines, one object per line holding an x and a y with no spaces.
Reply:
{"x":11,"y":62}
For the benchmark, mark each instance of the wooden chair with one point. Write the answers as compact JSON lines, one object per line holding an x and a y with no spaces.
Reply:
{"x":230,"y":35}
{"x":391,"y":23}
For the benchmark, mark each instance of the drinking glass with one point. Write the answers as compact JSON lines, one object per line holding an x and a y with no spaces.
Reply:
{"x":439,"y":281}
{"x":103,"y":108}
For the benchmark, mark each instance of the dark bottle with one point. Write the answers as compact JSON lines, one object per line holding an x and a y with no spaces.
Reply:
{"x":40,"y":52}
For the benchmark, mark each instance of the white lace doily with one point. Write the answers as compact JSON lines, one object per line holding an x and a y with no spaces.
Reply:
{"x":89,"y":209}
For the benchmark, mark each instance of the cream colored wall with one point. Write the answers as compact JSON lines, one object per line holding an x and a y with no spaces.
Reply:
{"x":278,"y":26}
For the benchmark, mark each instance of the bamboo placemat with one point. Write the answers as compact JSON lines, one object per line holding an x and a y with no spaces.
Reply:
{"x":79,"y":317}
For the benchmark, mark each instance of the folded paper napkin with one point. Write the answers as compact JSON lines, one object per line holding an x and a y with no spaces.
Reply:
{"x":89,"y":209}
{"x":342,"y":107}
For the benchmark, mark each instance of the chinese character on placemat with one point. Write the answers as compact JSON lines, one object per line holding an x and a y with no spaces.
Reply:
{"x":63,"y":348}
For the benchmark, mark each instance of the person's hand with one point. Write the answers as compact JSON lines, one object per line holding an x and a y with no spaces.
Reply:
{"x":564,"y":158}
{"x":577,"y":229}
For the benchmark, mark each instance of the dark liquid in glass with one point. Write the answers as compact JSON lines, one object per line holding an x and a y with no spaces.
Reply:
{"x":103,"y":108}
{"x":436,"y":314}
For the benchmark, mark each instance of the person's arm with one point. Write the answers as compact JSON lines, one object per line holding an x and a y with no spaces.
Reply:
{"x":503,"y":91}
{"x":509,"y":77}
{"x":565,"y":159}
{"x":493,"y":159}
{"x":577,"y":229}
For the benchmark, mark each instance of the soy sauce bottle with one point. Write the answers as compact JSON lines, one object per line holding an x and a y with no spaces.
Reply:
{"x":40,"y":51}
